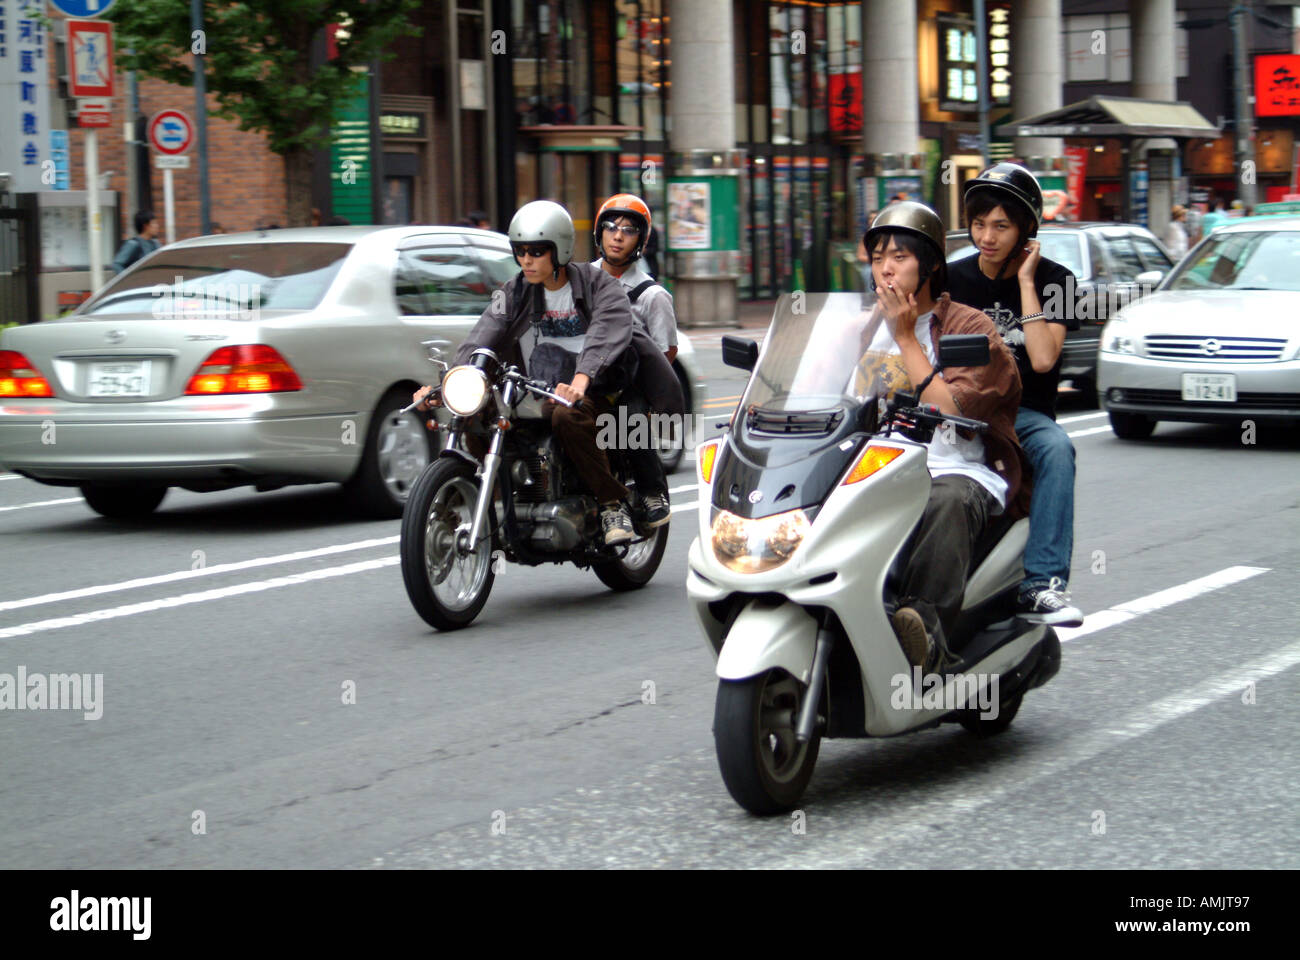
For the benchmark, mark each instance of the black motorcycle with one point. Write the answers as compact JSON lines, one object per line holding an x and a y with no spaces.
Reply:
{"x":501,"y":489}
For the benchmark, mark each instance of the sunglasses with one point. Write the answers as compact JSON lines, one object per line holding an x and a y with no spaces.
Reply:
{"x":627,"y":231}
{"x":530,"y":250}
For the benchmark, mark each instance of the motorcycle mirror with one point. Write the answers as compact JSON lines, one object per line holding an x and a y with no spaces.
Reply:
{"x":739,"y":352}
{"x":435,"y":348}
{"x":963,"y":350}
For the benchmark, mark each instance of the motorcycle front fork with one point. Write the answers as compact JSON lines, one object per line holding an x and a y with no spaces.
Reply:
{"x":491,"y":464}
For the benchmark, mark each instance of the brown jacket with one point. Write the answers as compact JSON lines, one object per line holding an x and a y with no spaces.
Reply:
{"x":991,"y":394}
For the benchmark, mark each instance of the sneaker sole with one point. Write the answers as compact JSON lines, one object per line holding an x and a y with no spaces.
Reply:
{"x":1061,"y":618}
{"x":911,"y":637}
{"x":656,"y":523}
{"x":617,"y":536}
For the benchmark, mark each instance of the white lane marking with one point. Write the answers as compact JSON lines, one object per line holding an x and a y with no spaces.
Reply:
{"x":184,"y":599}
{"x":1080,"y":417}
{"x":1089,"y":432}
{"x":967,"y":796}
{"x":686,"y":506}
{"x":1122,"y":613}
{"x":689,"y":486}
{"x":43,"y":503}
{"x":191,"y":574}
{"x":12,"y":476}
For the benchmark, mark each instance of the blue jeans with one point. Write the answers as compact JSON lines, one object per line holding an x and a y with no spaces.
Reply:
{"x":1051,"y":508}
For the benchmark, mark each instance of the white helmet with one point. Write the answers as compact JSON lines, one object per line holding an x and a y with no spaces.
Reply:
{"x":543,"y":221}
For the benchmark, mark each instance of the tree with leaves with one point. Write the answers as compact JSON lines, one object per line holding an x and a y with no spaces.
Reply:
{"x":258,"y":66}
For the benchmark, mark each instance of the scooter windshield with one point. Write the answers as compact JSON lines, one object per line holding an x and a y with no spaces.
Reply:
{"x":813,"y":356}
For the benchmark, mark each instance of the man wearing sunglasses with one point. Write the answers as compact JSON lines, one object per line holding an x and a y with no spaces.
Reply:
{"x":573,"y":322}
{"x":623,"y":227}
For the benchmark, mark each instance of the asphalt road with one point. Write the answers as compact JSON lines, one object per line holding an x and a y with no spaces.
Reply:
{"x":230,"y":627}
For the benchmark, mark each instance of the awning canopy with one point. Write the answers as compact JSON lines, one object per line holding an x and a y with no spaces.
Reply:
{"x":1122,"y":117}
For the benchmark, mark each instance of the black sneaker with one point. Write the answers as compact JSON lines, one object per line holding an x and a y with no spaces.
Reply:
{"x":656,"y":509}
{"x":1050,"y":604}
{"x":616,"y":523}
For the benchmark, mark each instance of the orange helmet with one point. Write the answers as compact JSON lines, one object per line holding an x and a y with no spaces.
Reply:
{"x":624,"y":205}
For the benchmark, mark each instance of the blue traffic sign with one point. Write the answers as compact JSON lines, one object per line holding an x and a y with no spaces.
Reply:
{"x":82,"y":9}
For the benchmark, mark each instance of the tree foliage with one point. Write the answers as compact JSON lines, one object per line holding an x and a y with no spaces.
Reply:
{"x":257,"y":57}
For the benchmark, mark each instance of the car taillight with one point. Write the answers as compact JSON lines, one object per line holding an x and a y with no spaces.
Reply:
{"x":247,"y":368}
{"x":18,"y":378}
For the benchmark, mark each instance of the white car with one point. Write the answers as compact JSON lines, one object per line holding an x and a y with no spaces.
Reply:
{"x":1218,"y":339}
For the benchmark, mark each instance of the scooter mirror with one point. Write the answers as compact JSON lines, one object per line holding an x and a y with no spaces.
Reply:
{"x":963,"y":350}
{"x":739,"y":352}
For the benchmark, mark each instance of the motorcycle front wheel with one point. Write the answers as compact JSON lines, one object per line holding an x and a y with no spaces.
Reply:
{"x":446,"y":586}
{"x":765,"y":769}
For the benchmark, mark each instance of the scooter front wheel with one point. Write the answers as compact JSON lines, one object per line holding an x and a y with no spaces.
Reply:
{"x":447,"y":585}
{"x":764,"y":767}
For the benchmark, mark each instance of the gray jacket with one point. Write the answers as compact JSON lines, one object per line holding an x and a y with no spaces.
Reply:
{"x":610,"y":330}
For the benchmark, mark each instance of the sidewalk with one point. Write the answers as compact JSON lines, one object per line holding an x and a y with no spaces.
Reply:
{"x":752,"y":314}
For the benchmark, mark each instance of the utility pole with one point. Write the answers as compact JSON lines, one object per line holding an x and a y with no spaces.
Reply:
{"x":982,"y":77}
{"x":1241,"y":83}
{"x":201,"y":115}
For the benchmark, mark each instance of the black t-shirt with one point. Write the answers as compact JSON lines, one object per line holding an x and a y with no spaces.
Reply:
{"x":1000,"y":300}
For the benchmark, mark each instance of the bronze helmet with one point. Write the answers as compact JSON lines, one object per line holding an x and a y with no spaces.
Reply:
{"x":911,"y":217}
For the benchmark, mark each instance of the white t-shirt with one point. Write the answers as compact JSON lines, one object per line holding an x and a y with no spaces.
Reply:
{"x":561,"y":324}
{"x":963,"y":456}
{"x":653,"y":309}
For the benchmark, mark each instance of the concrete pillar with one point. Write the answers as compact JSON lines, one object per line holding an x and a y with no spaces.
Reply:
{"x":1154,"y":47}
{"x":702,"y":117}
{"x":1039,"y":74}
{"x":891,"y":97}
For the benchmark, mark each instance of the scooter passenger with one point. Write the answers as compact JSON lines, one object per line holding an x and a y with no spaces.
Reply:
{"x":974,"y":478}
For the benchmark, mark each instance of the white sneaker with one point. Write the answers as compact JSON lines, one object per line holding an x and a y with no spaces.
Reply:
{"x":1049,"y":604}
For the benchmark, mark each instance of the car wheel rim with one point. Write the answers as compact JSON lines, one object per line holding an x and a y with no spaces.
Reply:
{"x":457,"y":579}
{"x":403,"y":453}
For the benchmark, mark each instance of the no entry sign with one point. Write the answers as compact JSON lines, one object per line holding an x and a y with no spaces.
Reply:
{"x":171,"y":132}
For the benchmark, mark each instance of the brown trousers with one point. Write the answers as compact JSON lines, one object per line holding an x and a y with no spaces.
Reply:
{"x":575,"y":427}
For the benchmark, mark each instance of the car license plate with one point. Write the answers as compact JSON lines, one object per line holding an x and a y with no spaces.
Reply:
{"x":1214,"y":387}
{"x":121,"y":378}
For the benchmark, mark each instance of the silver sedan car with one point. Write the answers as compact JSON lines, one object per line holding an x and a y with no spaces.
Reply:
{"x":265,"y":359}
{"x":1217,"y":341}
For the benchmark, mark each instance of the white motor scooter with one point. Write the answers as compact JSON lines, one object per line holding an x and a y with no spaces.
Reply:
{"x":812,"y":498}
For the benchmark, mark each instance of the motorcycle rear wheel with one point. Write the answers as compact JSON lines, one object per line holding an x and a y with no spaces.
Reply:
{"x":635,"y":568}
{"x":765,"y":769}
{"x":447,"y":588}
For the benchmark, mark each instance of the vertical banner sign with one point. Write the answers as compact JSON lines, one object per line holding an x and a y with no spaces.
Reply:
{"x":350,"y":163}
{"x":1138,"y":194}
{"x":1076,"y":159}
{"x":999,"y":33}
{"x":25,"y":95}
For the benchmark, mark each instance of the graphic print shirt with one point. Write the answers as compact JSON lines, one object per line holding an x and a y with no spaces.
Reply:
{"x":562,"y":324}
{"x":1000,"y":301}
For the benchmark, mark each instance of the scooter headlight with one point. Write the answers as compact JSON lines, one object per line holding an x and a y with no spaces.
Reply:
{"x":464,"y":390}
{"x":753,"y":546}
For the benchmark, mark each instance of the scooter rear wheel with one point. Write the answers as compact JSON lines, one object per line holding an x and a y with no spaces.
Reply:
{"x":765,"y":769}
{"x":975,"y":722}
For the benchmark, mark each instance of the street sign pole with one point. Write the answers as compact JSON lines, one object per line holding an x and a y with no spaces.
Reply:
{"x":169,"y":205}
{"x":201,"y":117}
{"x":92,"y":211}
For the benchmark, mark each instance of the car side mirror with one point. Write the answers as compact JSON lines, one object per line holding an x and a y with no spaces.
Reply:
{"x":963,"y":350}
{"x":1149,"y":278}
{"x":739,"y":352}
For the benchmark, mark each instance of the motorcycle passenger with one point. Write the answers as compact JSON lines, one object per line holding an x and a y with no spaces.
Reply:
{"x":623,"y":227}
{"x":974,"y":478}
{"x":1026,"y":296}
{"x":573,"y":322}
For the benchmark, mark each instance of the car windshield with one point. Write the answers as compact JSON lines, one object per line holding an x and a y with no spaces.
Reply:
{"x":811,"y":356}
{"x":231,"y":280}
{"x":1254,"y":260}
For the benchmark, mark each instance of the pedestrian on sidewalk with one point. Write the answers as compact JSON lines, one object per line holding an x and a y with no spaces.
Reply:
{"x":141,"y":245}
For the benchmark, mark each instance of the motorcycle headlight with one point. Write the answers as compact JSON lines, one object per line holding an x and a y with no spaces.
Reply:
{"x":753,"y":546}
{"x":1116,"y":338}
{"x":464,"y":390}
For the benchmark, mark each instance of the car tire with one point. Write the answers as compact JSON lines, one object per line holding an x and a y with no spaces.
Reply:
{"x":398,"y":449}
{"x":123,"y":503}
{"x":1131,"y":426}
